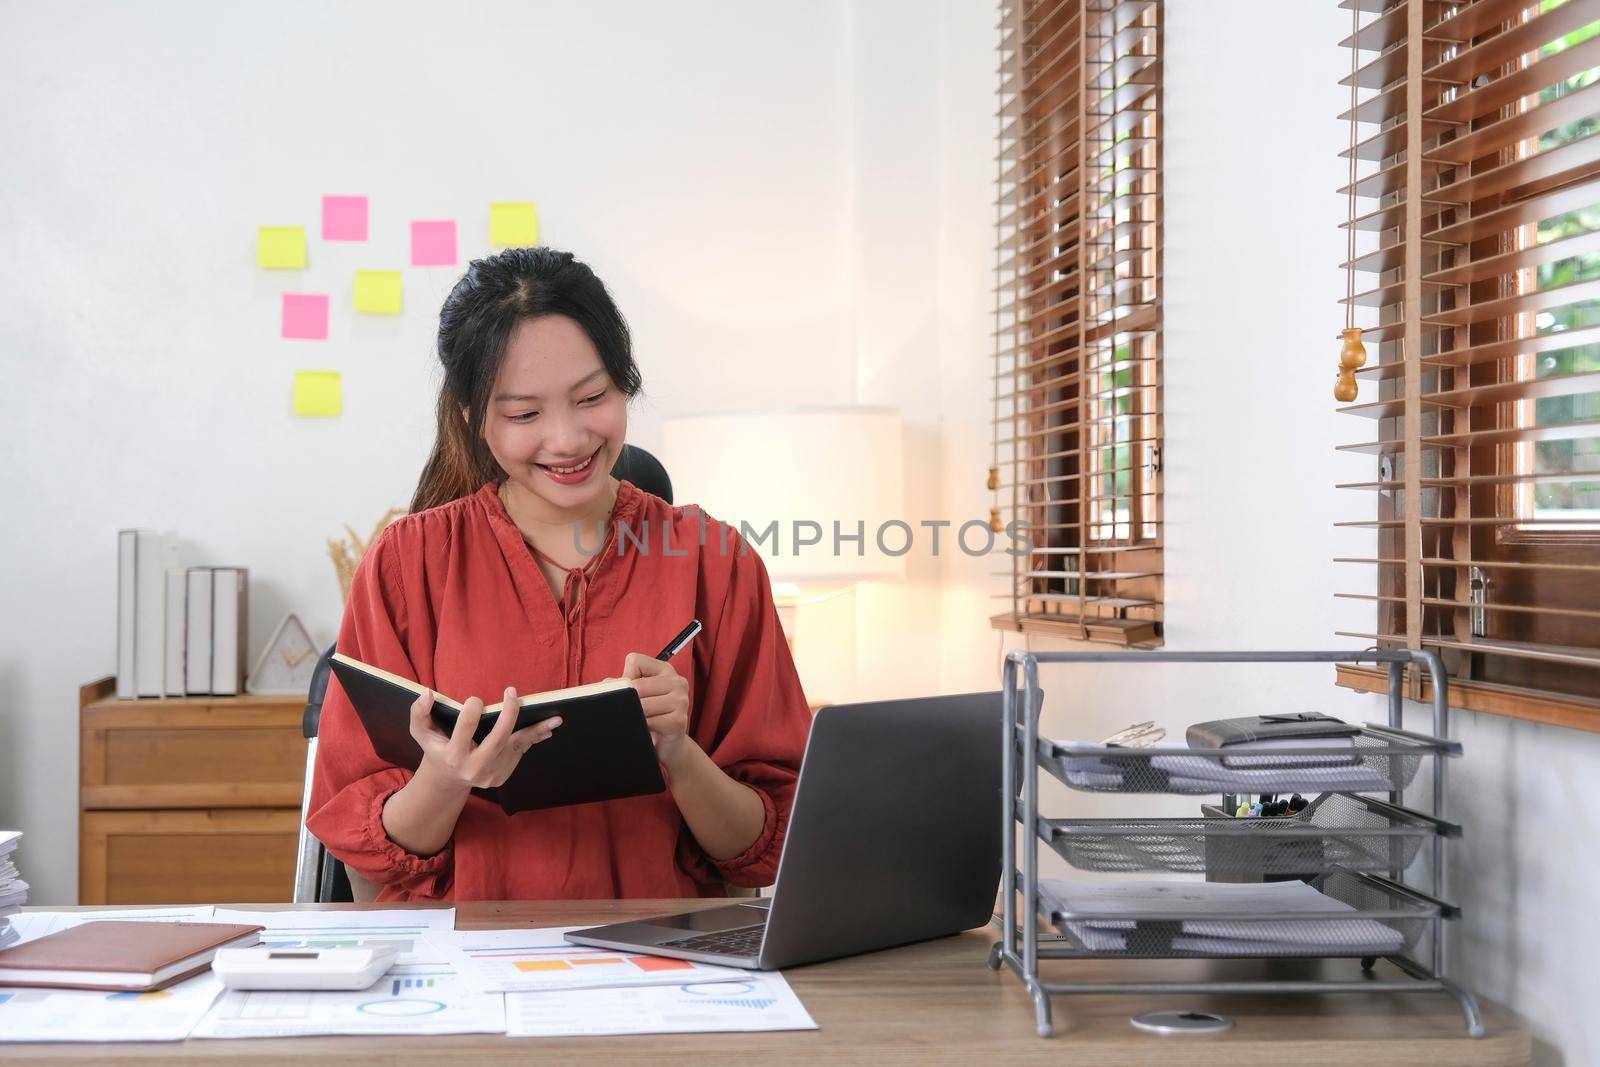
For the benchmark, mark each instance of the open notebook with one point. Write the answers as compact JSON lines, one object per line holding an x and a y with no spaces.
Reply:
{"x":601,"y":751}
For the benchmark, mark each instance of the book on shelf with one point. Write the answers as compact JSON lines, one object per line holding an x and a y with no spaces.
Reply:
{"x":174,"y":681}
{"x":197,"y":631}
{"x":180,"y":630}
{"x":127,"y":620}
{"x":143,"y":558}
{"x":229,"y":610}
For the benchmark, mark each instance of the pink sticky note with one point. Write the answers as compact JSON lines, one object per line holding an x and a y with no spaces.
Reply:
{"x":305,"y":316}
{"x":433,"y":244}
{"x":344,"y":218}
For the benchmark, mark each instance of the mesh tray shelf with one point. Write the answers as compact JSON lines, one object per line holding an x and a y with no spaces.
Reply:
{"x":1335,"y":831}
{"x":1381,"y":760}
{"x":1388,"y":920}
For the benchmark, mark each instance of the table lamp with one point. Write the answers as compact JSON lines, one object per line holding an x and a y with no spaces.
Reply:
{"x":798,"y":465}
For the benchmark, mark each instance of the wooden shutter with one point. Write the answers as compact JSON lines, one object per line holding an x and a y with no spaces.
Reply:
{"x":1077,"y":361}
{"x":1478,"y":282}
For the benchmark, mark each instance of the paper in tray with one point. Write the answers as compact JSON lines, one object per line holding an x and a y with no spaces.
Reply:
{"x":1336,"y":831}
{"x":1217,"y":918}
{"x":1379,"y":765}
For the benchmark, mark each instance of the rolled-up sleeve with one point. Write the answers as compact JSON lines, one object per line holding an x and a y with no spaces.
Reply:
{"x":351,"y":783}
{"x":752,"y":716}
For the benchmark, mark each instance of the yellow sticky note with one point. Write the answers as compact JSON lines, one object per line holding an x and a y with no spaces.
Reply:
{"x":317,"y":393}
{"x":378,"y":292}
{"x":281,"y":247}
{"x":513,"y":224}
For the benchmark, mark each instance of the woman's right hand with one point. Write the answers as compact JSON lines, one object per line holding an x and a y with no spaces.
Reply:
{"x":454,"y":759}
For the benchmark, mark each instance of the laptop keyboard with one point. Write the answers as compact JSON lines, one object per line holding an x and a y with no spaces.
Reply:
{"x":741,"y":941}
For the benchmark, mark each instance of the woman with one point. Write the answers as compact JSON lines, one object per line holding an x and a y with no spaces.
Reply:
{"x":492,"y":585}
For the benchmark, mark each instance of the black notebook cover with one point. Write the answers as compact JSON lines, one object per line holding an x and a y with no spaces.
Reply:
{"x":1221,"y":733}
{"x":601,"y":750}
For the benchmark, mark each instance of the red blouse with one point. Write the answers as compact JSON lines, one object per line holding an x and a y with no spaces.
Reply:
{"x":454,"y":598}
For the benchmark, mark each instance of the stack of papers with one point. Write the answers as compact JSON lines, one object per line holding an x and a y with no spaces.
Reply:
{"x":13,"y":890}
{"x":95,"y":1015}
{"x":1184,"y":772}
{"x":525,"y":983}
{"x":1216,"y":918}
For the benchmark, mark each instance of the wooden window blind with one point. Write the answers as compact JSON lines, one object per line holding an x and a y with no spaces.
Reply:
{"x":1476,"y":165}
{"x":1077,"y":360}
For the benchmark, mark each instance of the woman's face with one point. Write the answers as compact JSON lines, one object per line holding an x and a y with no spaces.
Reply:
{"x":555,"y":420}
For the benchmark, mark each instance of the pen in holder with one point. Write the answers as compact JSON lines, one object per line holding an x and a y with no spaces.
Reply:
{"x":1139,"y":735}
{"x":1245,"y":859}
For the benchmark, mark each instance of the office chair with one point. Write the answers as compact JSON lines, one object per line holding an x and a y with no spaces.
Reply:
{"x":319,"y":878}
{"x":643,"y":470}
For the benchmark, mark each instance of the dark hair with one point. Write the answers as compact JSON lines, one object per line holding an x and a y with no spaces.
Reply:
{"x":475,"y":323}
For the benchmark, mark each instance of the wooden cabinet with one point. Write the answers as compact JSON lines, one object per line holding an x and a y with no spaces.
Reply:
{"x":188,"y":800}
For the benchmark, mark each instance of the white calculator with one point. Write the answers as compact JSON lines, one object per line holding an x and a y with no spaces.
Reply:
{"x":302,"y":968}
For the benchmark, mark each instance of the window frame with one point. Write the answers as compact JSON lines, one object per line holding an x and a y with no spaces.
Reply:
{"x":1062,"y":317}
{"x":1447,"y":514}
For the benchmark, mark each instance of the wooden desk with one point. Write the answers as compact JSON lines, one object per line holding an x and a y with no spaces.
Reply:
{"x":934,"y":1002}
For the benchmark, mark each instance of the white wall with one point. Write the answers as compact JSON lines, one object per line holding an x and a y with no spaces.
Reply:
{"x":791,"y":206}
{"x":700,"y":156}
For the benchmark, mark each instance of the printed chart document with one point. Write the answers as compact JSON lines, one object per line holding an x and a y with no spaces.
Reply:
{"x":540,"y":960}
{"x":410,"y":999}
{"x":404,"y":928}
{"x":86,"y":1015}
{"x":762,"y":1000}
{"x":91,"y":1015}
{"x":32,"y":924}
{"x":421,"y":994}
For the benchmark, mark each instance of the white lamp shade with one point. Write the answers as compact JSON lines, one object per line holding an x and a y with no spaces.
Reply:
{"x":799,"y":467}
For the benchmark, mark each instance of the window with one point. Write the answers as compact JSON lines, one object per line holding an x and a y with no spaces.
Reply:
{"x":1560,"y":478}
{"x":1480,"y":239}
{"x":1077,"y":383}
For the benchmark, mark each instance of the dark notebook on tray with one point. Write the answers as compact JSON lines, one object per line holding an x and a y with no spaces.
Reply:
{"x":1260,"y":735}
{"x":1300,"y":725}
{"x":601,"y":751}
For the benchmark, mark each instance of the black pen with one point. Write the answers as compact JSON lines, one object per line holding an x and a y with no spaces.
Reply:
{"x":676,"y":644}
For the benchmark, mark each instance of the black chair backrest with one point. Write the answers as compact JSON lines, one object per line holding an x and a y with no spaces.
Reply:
{"x":314,"y":697}
{"x":333,"y":881}
{"x":643,"y":470}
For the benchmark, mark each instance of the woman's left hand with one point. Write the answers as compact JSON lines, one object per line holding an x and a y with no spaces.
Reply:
{"x":664,"y":695}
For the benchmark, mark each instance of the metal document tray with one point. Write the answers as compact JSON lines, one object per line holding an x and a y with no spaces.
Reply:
{"x":1382,"y":759}
{"x":1336,"y":830}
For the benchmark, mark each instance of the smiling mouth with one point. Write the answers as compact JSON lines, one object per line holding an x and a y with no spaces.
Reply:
{"x":573,"y":468}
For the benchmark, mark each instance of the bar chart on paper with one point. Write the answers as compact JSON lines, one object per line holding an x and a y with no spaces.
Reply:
{"x":402,"y":929}
{"x":760,"y":1001}
{"x":534,"y":961}
{"x":408,"y":1000}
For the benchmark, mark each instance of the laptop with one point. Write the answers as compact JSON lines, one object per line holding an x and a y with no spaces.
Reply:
{"x":894,"y":837}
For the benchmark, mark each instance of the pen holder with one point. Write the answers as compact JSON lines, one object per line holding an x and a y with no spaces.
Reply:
{"x":1262,"y":857}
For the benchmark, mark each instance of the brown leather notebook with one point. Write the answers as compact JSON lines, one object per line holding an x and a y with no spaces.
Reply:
{"x":114,"y":954}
